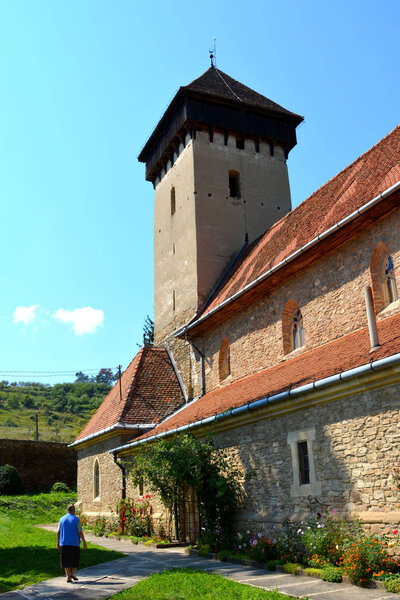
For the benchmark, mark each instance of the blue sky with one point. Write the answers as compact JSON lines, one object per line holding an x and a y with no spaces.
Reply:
{"x":84,"y":83}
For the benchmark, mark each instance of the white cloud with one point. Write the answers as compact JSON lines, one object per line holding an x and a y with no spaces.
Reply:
{"x":84,"y":320}
{"x":25,"y":314}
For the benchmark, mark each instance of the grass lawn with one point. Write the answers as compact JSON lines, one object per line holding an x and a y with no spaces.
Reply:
{"x":189,"y":584}
{"x":29,"y":554}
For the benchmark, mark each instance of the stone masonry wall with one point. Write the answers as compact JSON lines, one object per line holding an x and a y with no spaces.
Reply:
{"x":40,"y":464}
{"x":355,"y":448}
{"x":110,"y":476}
{"x":330,"y":293}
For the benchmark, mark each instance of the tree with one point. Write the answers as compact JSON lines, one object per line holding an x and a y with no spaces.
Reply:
{"x":148,"y":332}
{"x":105,"y":376}
{"x":170,"y":466}
{"x":81,"y":377}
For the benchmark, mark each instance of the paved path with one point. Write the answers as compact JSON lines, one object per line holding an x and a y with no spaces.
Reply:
{"x":106,"y":579}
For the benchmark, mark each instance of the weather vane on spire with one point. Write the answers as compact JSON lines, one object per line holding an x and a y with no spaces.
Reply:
{"x":213,"y":53}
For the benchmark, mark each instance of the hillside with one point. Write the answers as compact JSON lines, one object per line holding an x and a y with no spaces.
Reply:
{"x":61,"y":410}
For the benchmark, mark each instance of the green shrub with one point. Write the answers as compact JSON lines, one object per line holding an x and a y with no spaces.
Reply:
{"x":272,"y":564}
{"x":9,"y":423}
{"x":393,"y":585}
{"x":204,"y":550}
{"x":222,"y":555}
{"x":313,"y":572}
{"x":332,"y":574}
{"x":10,"y":482}
{"x":292,"y":568}
{"x":59,"y":486}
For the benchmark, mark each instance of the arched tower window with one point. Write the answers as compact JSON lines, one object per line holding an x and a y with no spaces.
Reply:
{"x":224,"y":360}
{"x":292,"y":327}
{"x":96,"y":479}
{"x":173,"y":201}
{"x":383,"y":277}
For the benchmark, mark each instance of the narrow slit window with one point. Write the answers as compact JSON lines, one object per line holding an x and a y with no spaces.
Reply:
{"x":298,"y":330}
{"x":96,"y":479}
{"x":224,"y":360}
{"x":240,"y":143}
{"x":390,"y":280}
{"x":234,"y":184}
{"x":304,"y":464}
{"x":173,"y":201}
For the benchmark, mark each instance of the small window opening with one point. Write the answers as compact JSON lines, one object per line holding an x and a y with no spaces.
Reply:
{"x":304,"y":465}
{"x":234,"y":184}
{"x":96,"y":479}
{"x":173,"y":299}
{"x":390,"y":280}
{"x":224,"y":360}
{"x":240,"y":143}
{"x":173,"y":201}
{"x":298,"y":330}
{"x":257,"y":145}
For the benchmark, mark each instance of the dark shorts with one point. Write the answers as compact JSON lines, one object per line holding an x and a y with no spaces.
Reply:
{"x":69,"y":557}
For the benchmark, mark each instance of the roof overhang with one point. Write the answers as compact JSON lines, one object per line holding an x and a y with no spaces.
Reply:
{"x":321,"y":391}
{"x":112,"y":429}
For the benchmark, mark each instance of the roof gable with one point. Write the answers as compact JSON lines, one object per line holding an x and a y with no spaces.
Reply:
{"x":149,"y":391}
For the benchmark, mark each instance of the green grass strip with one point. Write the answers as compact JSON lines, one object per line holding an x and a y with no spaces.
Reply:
{"x":191,"y":584}
{"x":28,"y":554}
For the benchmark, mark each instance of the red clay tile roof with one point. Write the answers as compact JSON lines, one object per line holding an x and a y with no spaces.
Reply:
{"x":371,"y":174}
{"x":215,"y":82}
{"x":345,"y":353}
{"x":150,"y":391}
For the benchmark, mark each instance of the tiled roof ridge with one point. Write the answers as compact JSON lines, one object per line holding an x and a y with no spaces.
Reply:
{"x":350,"y":165}
{"x":274,"y":106}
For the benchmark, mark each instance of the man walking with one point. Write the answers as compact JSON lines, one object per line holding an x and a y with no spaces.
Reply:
{"x":69,"y":536}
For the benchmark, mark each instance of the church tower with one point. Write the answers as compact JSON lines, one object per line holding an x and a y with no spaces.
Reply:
{"x":217,"y":161}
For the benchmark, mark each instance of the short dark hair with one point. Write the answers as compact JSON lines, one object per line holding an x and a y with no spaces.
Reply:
{"x":71,"y":508}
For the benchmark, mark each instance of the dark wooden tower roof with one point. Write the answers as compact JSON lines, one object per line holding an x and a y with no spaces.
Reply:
{"x":217,"y":102}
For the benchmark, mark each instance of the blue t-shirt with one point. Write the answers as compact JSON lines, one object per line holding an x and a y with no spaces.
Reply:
{"x":69,"y":528}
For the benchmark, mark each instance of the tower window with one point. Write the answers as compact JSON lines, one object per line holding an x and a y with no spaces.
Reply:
{"x":173,"y":201}
{"x":234,"y":184}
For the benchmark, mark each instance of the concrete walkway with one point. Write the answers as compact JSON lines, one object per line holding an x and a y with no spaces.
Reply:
{"x":106,"y":579}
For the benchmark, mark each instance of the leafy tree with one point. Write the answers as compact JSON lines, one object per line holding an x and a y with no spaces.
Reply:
{"x":105,"y":376}
{"x":172,"y":465}
{"x":81,"y":377}
{"x":148,"y":332}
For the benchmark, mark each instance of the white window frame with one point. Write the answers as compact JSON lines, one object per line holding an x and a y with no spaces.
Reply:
{"x":314,"y":487}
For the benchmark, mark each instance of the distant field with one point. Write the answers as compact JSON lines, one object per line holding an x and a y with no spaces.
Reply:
{"x":62,"y":410}
{"x":19,"y":424}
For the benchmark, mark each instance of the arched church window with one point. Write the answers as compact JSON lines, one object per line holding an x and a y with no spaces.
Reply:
{"x":383,"y":277}
{"x":173,"y":201}
{"x":390,"y":281}
{"x":234,"y":184}
{"x":96,"y":479}
{"x":292,"y":327}
{"x":298,"y":330}
{"x":224,"y":360}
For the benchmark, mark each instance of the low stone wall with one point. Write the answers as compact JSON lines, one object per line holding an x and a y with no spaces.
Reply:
{"x":40,"y":464}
